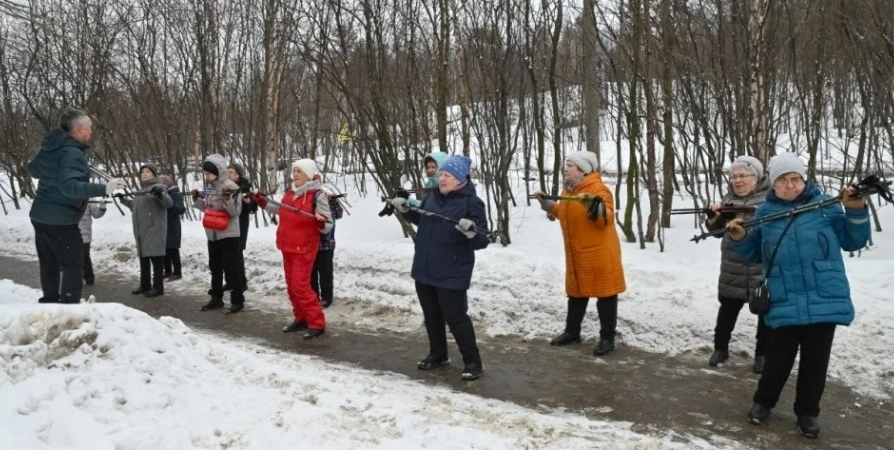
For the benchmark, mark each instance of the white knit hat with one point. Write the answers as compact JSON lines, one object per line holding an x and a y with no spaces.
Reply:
{"x":784,"y":163}
{"x":308,"y":166}
{"x":749,"y":163}
{"x":585,"y":161}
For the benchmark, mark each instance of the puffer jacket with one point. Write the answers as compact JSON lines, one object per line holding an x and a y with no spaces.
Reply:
{"x":737,"y":277}
{"x":807,"y":282}
{"x":229,"y":203}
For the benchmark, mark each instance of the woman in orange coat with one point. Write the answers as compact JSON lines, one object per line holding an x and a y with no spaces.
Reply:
{"x":592,"y":250}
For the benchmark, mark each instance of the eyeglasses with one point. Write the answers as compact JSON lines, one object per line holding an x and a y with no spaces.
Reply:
{"x":794,"y":180}
{"x":741,"y":177}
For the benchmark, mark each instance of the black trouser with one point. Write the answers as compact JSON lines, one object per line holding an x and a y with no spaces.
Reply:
{"x":225,"y":260}
{"x":151,"y":277}
{"x":172,"y":262}
{"x":815,"y":342}
{"x":243,"y":240}
{"x":88,"y":264}
{"x":321,"y":277}
{"x":607,"y":307}
{"x":450,"y":306}
{"x":727,"y":316}
{"x":60,"y":250}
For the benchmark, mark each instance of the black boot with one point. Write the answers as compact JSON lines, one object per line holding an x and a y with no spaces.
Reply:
{"x":154,"y":293}
{"x":226,"y":287}
{"x":472,"y":372}
{"x":432,"y":361}
{"x":326,"y":303}
{"x":759,"y":362}
{"x":758,"y":414}
{"x":313,"y":333}
{"x":604,"y":347}
{"x":719,"y":357}
{"x":235,"y":308}
{"x":215,"y":303}
{"x":294,"y":326}
{"x":809,"y":427}
{"x":138,"y":291}
{"x":564,"y":339}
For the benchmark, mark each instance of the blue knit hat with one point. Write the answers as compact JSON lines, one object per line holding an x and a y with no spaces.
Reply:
{"x":457,"y":166}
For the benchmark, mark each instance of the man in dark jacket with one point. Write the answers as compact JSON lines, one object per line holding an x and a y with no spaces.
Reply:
{"x":444,"y":260}
{"x":63,"y":191}
{"x":236,"y":174}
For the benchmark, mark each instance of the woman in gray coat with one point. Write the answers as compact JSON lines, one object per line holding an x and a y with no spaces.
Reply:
{"x":150,"y":227}
{"x":749,"y":187}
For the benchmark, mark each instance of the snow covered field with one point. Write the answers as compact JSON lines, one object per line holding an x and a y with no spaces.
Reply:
{"x":106,"y":376}
{"x":670,"y":305}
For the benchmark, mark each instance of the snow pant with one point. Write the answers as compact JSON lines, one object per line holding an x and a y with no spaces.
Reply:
{"x":243,"y":240}
{"x":440,"y":306}
{"x":607,"y":307}
{"x":815,"y":342}
{"x":88,"y":265}
{"x":305,"y":303}
{"x":172,"y":262}
{"x":225,"y":260}
{"x":727,"y":316}
{"x":60,"y":255}
{"x":321,"y":278}
{"x":151,"y":277}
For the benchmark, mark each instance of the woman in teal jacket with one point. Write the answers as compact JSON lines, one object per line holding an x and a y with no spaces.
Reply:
{"x":809,"y":292}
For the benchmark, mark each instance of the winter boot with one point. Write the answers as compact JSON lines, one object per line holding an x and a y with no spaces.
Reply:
{"x":432,"y":361}
{"x":809,"y":427}
{"x":604,"y":347}
{"x":226,"y":288}
{"x":719,"y":357}
{"x":215,"y":303}
{"x":235,"y":308}
{"x":294,"y":326}
{"x":472,"y":372}
{"x":174,"y":277}
{"x":759,"y":362}
{"x":565,"y":339}
{"x":138,"y":291}
{"x":759,"y":414}
{"x":154,"y":293}
{"x":313,"y":333}
{"x":326,"y":303}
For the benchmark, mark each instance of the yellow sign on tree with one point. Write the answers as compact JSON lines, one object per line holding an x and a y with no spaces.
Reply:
{"x":343,"y":134}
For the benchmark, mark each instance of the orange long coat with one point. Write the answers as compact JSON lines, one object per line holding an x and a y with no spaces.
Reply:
{"x":592,"y":247}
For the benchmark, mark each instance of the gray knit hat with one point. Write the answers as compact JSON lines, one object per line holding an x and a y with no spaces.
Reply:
{"x":784,"y":163}
{"x":750,"y":163}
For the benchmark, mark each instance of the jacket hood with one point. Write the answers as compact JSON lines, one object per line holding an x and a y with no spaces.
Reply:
{"x":220,"y":162}
{"x":438,"y":157}
{"x":58,"y":138}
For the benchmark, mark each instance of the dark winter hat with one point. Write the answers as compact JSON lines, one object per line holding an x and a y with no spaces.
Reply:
{"x":209,"y":167}
{"x":152,"y":168}
{"x":457,"y":166}
{"x":238,"y":168}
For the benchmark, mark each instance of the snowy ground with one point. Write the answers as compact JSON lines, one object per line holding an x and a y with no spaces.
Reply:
{"x":670,"y":305}
{"x":106,"y":376}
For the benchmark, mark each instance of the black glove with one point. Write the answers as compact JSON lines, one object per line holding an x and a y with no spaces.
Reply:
{"x":387,"y":210}
{"x":157,"y":191}
{"x":597,"y":210}
{"x":402,"y":193}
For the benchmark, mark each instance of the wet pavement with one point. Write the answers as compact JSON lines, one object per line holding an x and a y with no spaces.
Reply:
{"x":654,"y":391}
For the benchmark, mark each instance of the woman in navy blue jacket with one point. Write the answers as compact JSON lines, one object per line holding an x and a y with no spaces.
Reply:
{"x":809,"y":291}
{"x":444,"y":260}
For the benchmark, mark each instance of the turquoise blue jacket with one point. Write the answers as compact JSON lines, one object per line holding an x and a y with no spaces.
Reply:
{"x":807,"y":282}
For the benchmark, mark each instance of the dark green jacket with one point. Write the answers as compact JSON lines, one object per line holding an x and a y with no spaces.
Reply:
{"x":63,"y":186}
